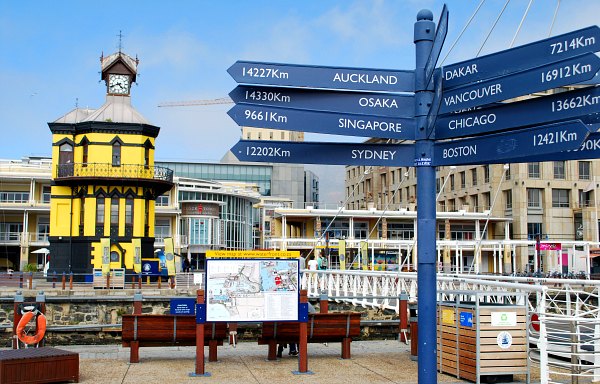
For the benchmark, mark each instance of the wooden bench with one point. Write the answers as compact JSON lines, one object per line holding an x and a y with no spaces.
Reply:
{"x":164,"y":330}
{"x":38,"y":365}
{"x":321,"y":328}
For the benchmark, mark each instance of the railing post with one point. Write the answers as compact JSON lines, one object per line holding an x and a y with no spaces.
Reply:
{"x":21,"y":280}
{"x":54,"y":279}
{"x":108,"y":280}
{"x":139,"y":281}
{"x":64,"y":280}
{"x":40,"y":300}
{"x":543,"y":337}
{"x":19,"y":299}
{"x":200,"y":321}
{"x":71,"y":281}
{"x":137,"y":303}
{"x":323,"y":302}
{"x":30,"y":281}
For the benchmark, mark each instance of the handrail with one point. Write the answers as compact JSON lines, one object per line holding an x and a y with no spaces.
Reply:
{"x":109,"y":170}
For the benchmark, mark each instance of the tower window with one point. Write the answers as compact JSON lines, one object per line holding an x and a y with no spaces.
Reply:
{"x":99,"y":211}
{"x":114,"y":211}
{"x":116,"y":154}
{"x":84,"y":157}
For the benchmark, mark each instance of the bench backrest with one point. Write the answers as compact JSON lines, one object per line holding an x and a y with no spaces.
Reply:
{"x":321,"y":326}
{"x":168,"y":328}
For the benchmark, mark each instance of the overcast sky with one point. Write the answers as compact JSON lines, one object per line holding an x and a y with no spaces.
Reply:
{"x":51,"y":50}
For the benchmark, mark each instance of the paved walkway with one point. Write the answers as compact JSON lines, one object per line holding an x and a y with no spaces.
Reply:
{"x":371,"y":362}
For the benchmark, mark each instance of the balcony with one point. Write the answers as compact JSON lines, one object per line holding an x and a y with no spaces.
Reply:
{"x":157,"y":177}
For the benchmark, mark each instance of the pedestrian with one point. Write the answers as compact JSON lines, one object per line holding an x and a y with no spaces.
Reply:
{"x":322,"y":262}
{"x":313,"y":264}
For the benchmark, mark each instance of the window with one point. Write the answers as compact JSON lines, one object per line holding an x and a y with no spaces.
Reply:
{"x":46,"y":194}
{"x":474,"y":176}
{"x":82,"y":213}
{"x":65,"y":154}
{"x":162,"y":201}
{"x":84,"y":157}
{"x":534,"y":198}
{"x":100,"y":211}
{"x":14,"y":197}
{"x":43,"y":228}
{"x":475,"y":201}
{"x":508,"y":199}
{"x":508,"y":176}
{"x":463,"y":179}
{"x":486,"y":173}
{"x":114,"y":211}
{"x":584,"y":170}
{"x":400,"y":231}
{"x":559,"y":170}
{"x":162,"y":229}
{"x":146,"y":157}
{"x":116,"y":154}
{"x":534,"y":230}
{"x":129,"y":211}
{"x":560,"y":198}
{"x":452,"y":182}
{"x":533,"y":170}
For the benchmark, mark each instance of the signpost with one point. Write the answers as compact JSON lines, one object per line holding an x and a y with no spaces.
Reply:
{"x":467,"y":102}
{"x":400,"y":128}
{"x":380,"y":104}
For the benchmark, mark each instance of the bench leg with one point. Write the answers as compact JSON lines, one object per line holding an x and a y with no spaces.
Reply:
{"x":272,"y":350}
{"x":346,"y":347}
{"x":134,"y":352}
{"x":212,"y":350}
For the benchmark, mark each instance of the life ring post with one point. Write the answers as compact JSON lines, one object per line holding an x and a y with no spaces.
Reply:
{"x":19,"y":299}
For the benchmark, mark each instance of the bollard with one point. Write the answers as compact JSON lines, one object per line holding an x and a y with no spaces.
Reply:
{"x":414,"y":330}
{"x":40,"y":300}
{"x":137,"y":303}
{"x":159,"y":281}
{"x":323,"y":302}
{"x":30,"y":282}
{"x":108,"y":280}
{"x":64,"y":281}
{"x":139,"y":281}
{"x":403,"y":317}
{"x":54,"y":279}
{"x":71,"y":281}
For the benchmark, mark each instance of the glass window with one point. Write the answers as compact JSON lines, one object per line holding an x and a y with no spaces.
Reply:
{"x":129,"y":211}
{"x":100,"y":210}
{"x":162,"y":229}
{"x":463,"y":179}
{"x":452,"y":182}
{"x":84,"y":158}
{"x":533,"y":170}
{"x":508,"y":199}
{"x":474,"y":176}
{"x":486,"y":173}
{"x":46,"y":194}
{"x":584,"y":170}
{"x":559,"y":170}
{"x":114,"y":211}
{"x":116,"y":154}
{"x":534,"y":198}
{"x":65,"y":154}
{"x":560,"y":198}
{"x":162,"y":200}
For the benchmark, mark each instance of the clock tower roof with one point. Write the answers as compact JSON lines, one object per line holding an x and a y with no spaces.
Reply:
{"x":119,"y":63}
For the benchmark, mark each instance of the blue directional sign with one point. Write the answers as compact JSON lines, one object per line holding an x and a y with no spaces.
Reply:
{"x":583,"y":103}
{"x":387,"y":155}
{"x":524,"y":57}
{"x":539,"y":79}
{"x":438,"y":42}
{"x":334,"y":123}
{"x":381,"y":104}
{"x":508,"y":145}
{"x":312,"y":76}
{"x":589,"y":149}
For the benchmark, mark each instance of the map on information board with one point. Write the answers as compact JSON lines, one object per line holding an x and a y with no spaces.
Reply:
{"x":251,"y":290}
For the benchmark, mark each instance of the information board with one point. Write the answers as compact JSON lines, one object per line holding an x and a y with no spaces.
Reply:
{"x":252,"y":290}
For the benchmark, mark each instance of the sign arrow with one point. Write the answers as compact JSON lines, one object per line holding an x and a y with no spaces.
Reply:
{"x":542,"y":110}
{"x":503,"y":147}
{"x":387,"y":155}
{"x":589,"y":149}
{"x":380,"y":104}
{"x":312,"y":76}
{"x":539,"y":79}
{"x":524,"y":57}
{"x":333,"y":123}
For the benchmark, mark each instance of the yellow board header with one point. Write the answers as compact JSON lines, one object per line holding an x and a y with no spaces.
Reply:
{"x":253,"y":254}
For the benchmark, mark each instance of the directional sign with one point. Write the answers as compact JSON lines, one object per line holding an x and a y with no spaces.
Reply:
{"x":542,"y":110}
{"x":387,"y":155}
{"x":523,"y":57}
{"x":381,"y":104}
{"x":589,"y":149}
{"x":301,"y":120}
{"x":508,"y":145}
{"x":438,"y":42}
{"x":539,"y":79}
{"x":312,"y":76}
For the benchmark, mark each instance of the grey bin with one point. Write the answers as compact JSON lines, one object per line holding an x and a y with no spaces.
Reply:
{"x":482,"y":336}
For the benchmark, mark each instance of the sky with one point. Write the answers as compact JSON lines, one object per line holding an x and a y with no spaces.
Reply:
{"x":51,"y":50}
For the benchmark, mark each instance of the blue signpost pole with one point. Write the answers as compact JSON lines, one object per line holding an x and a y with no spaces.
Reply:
{"x":426,"y":248}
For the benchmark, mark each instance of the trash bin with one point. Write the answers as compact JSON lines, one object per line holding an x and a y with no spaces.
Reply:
{"x":414,"y":330}
{"x":482,"y":336}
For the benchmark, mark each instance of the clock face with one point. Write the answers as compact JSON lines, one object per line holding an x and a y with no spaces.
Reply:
{"x":118,"y":84}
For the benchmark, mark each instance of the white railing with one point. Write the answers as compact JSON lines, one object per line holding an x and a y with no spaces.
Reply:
{"x":568,"y":309}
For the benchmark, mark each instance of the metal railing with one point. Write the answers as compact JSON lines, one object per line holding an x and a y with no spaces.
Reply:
{"x":138,"y":171}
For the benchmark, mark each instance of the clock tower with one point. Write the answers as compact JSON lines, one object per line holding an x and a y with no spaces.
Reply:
{"x":118,"y":72}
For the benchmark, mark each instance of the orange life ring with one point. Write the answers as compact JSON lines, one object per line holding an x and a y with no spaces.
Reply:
{"x":40,"y":322}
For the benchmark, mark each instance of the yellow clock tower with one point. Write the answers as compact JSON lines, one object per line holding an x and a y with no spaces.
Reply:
{"x":104,"y":181}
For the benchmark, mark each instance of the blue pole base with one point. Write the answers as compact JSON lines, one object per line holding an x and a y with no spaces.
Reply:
{"x":194,"y":374}
{"x":303,"y":373}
